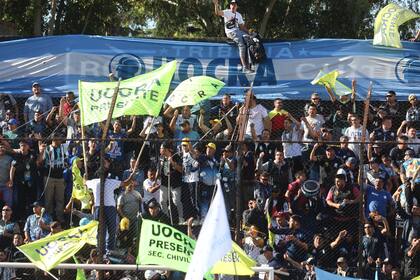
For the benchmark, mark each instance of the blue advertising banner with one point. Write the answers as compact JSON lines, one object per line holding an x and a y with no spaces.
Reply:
{"x":324,"y":275}
{"x":58,"y":62}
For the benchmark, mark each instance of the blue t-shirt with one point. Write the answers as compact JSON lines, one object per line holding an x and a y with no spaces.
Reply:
{"x":377,"y":201}
{"x":192,"y":135}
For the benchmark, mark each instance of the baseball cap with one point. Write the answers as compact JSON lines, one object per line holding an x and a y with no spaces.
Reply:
{"x":314,"y":95}
{"x":149,"y":274}
{"x":36,"y":204}
{"x":233,"y":2}
{"x":351,"y":160}
{"x":411,"y":97}
{"x":341,"y":260}
{"x":330,"y":148}
{"x":36,"y":84}
{"x":310,"y":261}
{"x":211,"y":145}
{"x":9,"y":112}
{"x":153,"y":203}
{"x":185,"y":141}
{"x":215,"y":121}
{"x":13,"y":122}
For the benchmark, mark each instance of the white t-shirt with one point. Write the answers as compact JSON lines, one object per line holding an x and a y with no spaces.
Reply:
{"x":316,"y":123}
{"x":291,"y":149}
{"x":354,"y":135}
{"x":256,"y":116}
{"x":148,"y":195}
{"x":148,"y":120}
{"x":414,"y":144}
{"x":110,"y":186}
{"x":192,"y":120}
{"x":228,"y":15}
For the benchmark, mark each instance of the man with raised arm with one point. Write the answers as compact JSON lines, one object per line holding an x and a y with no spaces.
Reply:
{"x":234,"y":29}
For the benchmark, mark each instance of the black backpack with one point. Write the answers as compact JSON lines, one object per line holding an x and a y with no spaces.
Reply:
{"x":255,"y":48}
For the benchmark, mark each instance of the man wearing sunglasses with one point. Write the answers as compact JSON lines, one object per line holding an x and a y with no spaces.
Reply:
{"x":7,"y":227}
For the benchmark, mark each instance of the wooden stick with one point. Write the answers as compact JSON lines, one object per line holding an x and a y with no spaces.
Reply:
{"x":360,"y":180}
{"x":101,"y":236}
{"x":143,"y":145}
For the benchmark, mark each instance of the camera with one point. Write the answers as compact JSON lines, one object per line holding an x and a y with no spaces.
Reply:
{"x":231,"y":23}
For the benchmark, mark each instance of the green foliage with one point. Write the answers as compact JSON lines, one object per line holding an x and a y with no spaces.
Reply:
{"x":290,"y":19}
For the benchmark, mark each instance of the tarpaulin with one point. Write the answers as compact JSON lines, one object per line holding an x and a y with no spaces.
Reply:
{"x":59,"y":62}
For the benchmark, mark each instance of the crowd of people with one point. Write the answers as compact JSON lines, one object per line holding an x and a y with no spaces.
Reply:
{"x":299,"y":185}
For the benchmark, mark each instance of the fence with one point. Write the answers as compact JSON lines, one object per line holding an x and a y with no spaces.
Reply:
{"x":190,"y":196}
{"x":117,"y":267}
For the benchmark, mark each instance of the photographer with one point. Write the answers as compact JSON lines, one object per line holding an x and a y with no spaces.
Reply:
{"x":235,"y":29}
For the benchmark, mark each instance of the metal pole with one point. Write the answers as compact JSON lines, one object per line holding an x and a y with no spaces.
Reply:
{"x":132,"y":267}
{"x":101,"y":236}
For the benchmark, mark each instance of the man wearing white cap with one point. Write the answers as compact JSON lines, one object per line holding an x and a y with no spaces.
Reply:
{"x":235,"y":29}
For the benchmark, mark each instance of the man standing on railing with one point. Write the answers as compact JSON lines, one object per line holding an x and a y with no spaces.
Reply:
{"x":235,"y":29}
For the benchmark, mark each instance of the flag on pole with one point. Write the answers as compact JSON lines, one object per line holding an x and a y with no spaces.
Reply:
{"x":153,"y":234}
{"x":235,"y":262}
{"x":194,"y":90}
{"x":79,"y":191}
{"x":48,"y":252}
{"x":330,"y":80}
{"x":140,"y":95}
{"x":387,"y":23}
{"x":80,"y":272}
{"x":326,"y":79}
{"x":214,"y":240}
{"x":270,"y":234}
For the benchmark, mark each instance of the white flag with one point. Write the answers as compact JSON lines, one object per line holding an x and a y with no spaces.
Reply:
{"x":214,"y":240}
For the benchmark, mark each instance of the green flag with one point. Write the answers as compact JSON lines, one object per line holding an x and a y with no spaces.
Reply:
{"x":80,"y":272}
{"x":236,"y":262}
{"x":330,"y":80}
{"x":161,"y":244}
{"x":387,"y":23}
{"x":194,"y":90}
{"x":326,"y":79}
{"x":270,"y":233}
{"x":50,"y":251}
{"x":140,"y":95}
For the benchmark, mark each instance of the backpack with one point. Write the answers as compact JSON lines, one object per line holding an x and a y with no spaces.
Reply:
{"x":255,"y":48}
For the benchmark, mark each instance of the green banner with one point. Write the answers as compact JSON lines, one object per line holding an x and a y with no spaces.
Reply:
{"x":387,"y":23}
{"x":140,"y":95}
{"x":194,"y":90}
{"x":50,"y":251}
{"x":161,"y":244}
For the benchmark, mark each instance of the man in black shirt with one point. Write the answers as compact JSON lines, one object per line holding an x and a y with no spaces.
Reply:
{"x":24,"y":171}
{"x":171,"y":177}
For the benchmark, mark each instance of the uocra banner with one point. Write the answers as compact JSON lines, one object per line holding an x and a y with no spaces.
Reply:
{"x":59,"y":62}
